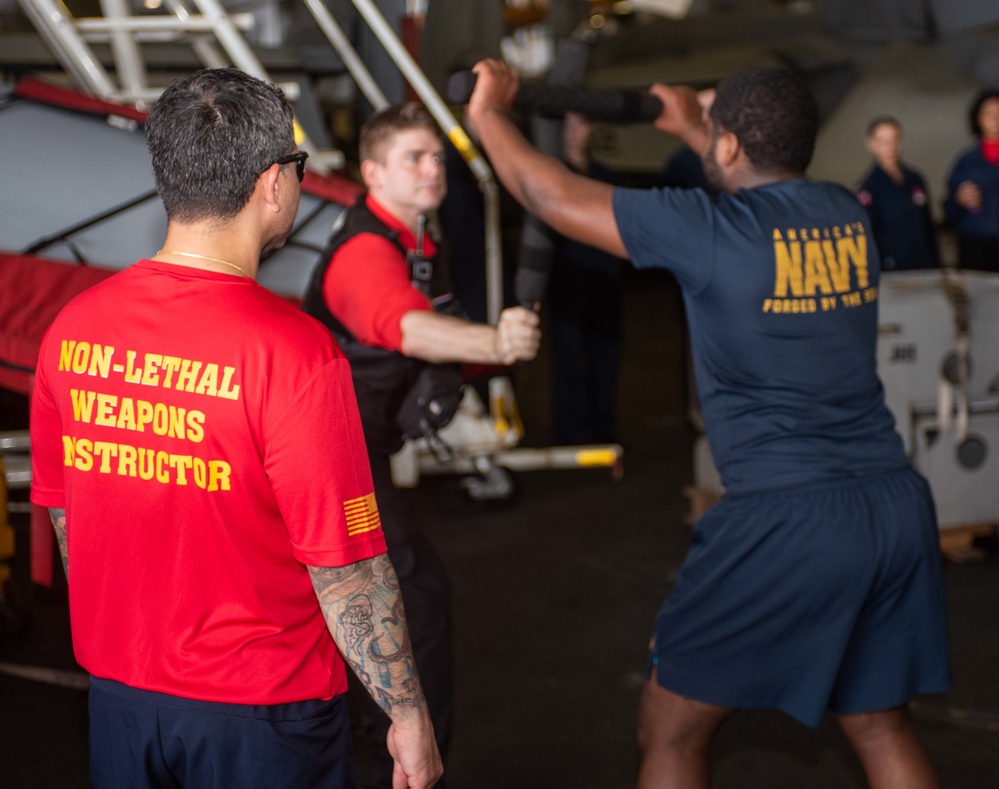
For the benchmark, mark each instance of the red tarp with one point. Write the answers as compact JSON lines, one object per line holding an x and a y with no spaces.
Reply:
{"x":32,"y":291}
{"x":46,"y":93}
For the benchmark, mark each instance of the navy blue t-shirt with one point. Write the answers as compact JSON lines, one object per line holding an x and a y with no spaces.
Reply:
{"x":973,"y":166}
{"x":780,"y":284}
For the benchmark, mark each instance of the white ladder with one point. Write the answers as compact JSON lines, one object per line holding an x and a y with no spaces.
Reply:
{"x":215,"y":36}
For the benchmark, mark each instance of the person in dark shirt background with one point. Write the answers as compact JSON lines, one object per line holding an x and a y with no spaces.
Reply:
{"x":585,"y":299}
{"x":684,"y":170}
{"x":972,"y":203}
{"x":897,"y":200}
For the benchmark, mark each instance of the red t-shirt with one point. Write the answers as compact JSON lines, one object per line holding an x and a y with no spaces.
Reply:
{"x":368,"y":287}
{"x":990,"y":150}
{"x":203,"y":436}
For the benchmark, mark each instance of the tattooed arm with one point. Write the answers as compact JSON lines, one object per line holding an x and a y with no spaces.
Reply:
{"x":58,"y":518}
{"x":363,"y":611}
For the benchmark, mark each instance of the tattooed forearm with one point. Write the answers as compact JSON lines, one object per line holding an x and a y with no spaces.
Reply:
{"x":58,"y":517}
{"x":364,"y":613}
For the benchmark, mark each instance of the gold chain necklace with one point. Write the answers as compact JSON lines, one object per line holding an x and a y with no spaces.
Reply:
{"x":203,"y":257}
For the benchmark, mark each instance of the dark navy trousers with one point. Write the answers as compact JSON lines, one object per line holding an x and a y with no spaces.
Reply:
{"x":143,"y":739}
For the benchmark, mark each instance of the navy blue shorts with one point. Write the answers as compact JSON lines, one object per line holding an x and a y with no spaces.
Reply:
{"x":144,"y":739}
{"x":822,"y":598}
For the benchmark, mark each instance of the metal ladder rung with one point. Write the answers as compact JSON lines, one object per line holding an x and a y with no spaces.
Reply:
{"x":164,"y":23}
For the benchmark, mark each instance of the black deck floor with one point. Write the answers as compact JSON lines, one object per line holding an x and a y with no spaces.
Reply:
{"x":555,"y":595}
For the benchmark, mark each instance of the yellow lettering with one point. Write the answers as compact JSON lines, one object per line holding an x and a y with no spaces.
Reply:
{"x":789,"y":274}
{"x":80,"y":357}
{"x":144,"y":417}
{"x":126,"y":461}
{"x":84,"y":459}
{"x":227,"y":390}
{"x":126,"y":414}
{"x":66,"y":354}
{"x":200,"y":477}
{"x":169,"y":365}
{"x":188,"y":372}
{"x":132,"y":375}
{"x":161,"y":419}
{"x":209,"y":383}
{"x":146,"y":465}
{"x":68,"y":450}
{"x":181,"y":463}
{"x":840,"y":274}
{"x":105,"y":450}
{"x":218,"y":475}
{"x":105,"y":410}
{"x":83,"y":405}
{"x":176,"y":427}
{"x":150,"y":373}
{"x":162,"y":459}
{"x":789,"y":306}
{"x":100,"y":361}
{"x":816,"y":276}
{"x":196,"y":426}
{"x":853,"y":250}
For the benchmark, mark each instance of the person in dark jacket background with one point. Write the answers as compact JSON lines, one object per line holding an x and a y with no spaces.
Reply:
{"x":897,"y":200}
{"x":972,"y":203}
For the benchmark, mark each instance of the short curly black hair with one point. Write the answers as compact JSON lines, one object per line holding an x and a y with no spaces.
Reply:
{"x":774,"y":115}
{"x":984,"y":95}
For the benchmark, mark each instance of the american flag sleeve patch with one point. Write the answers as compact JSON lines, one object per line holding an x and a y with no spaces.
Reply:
{"x":362,"y":515}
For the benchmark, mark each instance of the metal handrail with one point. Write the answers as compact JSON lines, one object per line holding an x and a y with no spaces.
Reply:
{"x":456,"y":134}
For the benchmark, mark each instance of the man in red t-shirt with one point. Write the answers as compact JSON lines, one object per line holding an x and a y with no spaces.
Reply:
{"x":197,"y":442}
{"x":389,"y":329}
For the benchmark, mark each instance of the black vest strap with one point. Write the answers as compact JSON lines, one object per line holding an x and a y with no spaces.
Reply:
{"x":381,"y":377}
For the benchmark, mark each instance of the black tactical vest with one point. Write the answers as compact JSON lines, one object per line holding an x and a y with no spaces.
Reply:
{"x":382,"y":378}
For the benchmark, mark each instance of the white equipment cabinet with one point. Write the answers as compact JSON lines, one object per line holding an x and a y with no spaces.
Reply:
{"x":938,"y":358}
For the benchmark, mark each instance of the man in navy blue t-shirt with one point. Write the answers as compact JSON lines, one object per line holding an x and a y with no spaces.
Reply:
{"x":815,"y":584}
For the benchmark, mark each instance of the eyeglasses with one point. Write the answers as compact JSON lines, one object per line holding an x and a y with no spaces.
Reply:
{"x":298,"y":158}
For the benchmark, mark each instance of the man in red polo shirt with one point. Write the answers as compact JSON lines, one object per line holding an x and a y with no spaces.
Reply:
{"x":386,"y":307}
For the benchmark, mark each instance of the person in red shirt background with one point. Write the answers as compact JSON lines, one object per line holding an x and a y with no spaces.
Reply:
{"x":197,"y":442}
{"x":392,"y":324}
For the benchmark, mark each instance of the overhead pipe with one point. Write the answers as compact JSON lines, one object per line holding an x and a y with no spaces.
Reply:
{"x":335,"y":35}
